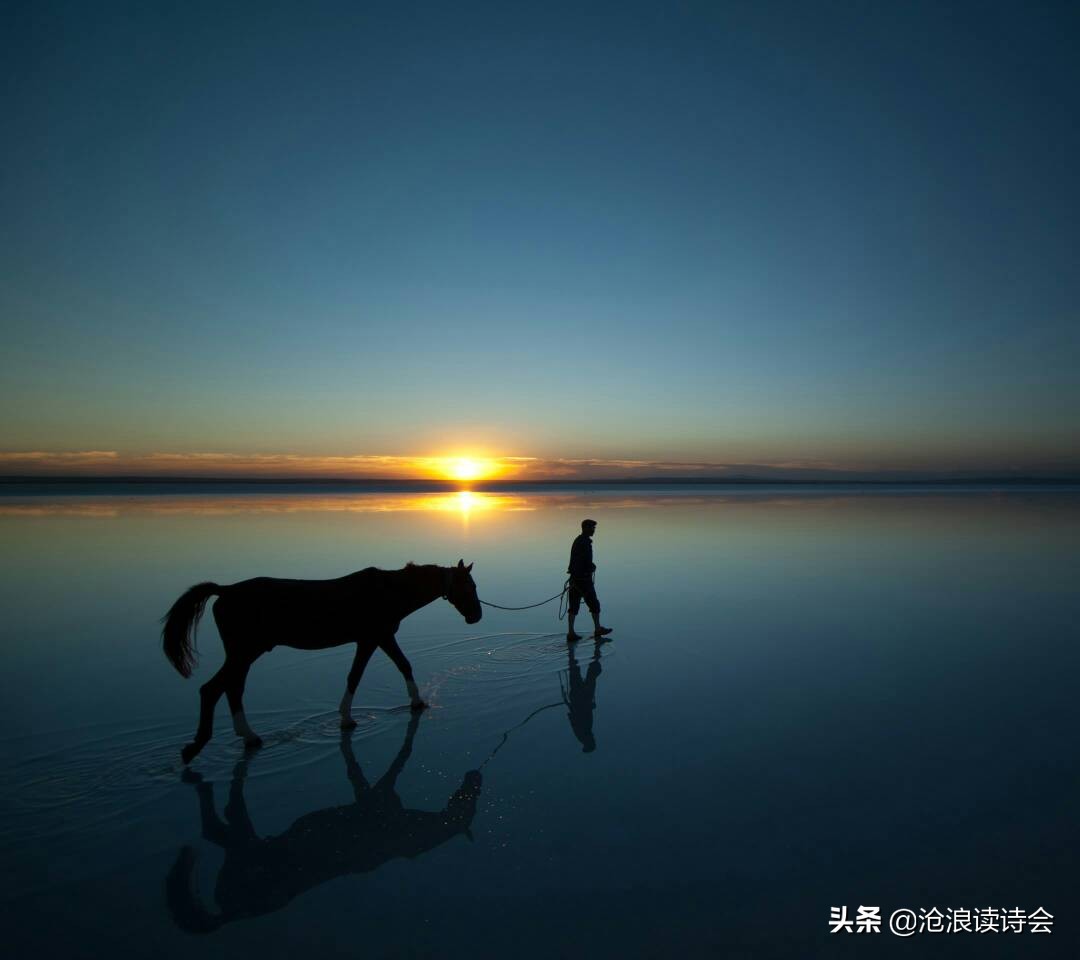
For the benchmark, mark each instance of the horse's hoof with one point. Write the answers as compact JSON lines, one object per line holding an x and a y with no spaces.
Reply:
{"x":189,"y":752}
{"x":348,"y":724}
{"x":253,"y":743}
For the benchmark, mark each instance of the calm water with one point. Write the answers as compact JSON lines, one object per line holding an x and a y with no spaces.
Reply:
{"x":813,"y":697}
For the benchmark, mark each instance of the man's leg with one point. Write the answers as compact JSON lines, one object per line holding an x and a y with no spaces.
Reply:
{"x":572,"y":612}
{"x":593,"y":604}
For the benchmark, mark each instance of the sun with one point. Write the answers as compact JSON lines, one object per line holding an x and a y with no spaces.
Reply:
{"x":465,"y":468}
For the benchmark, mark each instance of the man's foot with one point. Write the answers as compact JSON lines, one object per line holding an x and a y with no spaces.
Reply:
{"x":602,"y":631}
{"x":571,"y":637}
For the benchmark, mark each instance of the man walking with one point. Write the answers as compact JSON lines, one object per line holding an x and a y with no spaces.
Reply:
{"x":581,"y":571}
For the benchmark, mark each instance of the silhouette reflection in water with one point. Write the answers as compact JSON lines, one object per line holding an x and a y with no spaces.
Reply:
{"x":262,"y":874}
{"x":579,"y":695}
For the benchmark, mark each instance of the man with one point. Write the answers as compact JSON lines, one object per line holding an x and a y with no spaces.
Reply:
{"x":581,"y":582}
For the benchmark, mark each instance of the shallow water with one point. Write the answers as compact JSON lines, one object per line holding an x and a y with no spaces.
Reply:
{"x":813,"y":697}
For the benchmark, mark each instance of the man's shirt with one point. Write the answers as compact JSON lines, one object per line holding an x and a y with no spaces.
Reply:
{"x":581,"y":563}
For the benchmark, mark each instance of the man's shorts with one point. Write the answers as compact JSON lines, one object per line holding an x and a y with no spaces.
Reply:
{"x":580,"y":587}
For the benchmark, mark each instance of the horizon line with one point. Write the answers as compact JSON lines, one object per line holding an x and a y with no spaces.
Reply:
{"x":912,"y":478}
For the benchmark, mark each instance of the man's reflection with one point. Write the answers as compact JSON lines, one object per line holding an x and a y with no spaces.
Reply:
{"x":261,"y":875}
{"x":580,"y":697}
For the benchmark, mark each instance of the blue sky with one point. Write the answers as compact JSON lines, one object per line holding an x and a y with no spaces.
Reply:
{"x":749,"y":233}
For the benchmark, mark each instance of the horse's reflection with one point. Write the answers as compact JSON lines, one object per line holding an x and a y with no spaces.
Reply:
{"x":262,"y":874}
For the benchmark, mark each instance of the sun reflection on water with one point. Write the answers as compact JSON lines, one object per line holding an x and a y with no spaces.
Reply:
{"x":462,"y":502}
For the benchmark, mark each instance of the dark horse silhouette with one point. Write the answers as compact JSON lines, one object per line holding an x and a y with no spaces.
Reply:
{"x":254,"y":616}
{"x":263,"y":874}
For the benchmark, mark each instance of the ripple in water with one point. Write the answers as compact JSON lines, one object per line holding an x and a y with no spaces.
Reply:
{"x":93,"y":781}
{"x":118,"y":771}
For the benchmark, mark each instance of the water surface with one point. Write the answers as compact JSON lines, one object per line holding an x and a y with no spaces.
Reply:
{"x":813,"y":696}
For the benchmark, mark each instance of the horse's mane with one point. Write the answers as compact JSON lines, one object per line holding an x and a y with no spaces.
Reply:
{"x":409,"y":566}
{"x":416,"y":572}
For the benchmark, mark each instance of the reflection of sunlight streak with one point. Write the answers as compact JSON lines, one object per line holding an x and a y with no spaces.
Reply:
{"x":58,"y":510}
{"x":461,"y":502}
{"x":466,"y":502}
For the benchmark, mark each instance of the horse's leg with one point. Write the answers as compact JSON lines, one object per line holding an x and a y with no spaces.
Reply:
{"x":213,"y":829}
{"x":388,"y":779}
{"x":389,"y":646}
{"x":236,"y":811}
{"x":209,"y":694}
{"x":234,"y":690}
{"x":240,"y":653}
{"x":352,"y":769}
{"x":364,"y":650}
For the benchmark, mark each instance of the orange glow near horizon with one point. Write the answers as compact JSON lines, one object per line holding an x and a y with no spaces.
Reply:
{"x":462,"y":503}
{"x":458,"y":466}
{"x":466,"y":469}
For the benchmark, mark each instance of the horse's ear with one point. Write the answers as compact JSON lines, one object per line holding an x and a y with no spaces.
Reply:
{"x":461,"y":562}
{"x":468,"y":568}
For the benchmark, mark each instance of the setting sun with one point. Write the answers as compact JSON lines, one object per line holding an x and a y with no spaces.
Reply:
{"x":467,"y":468}
{"x":464,"y":469}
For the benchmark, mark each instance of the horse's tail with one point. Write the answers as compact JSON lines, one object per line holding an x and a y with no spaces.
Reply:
{"x":180,"y":893}
{"x":178,"y":634}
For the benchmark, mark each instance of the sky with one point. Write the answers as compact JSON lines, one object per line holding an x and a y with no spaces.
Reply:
{"x":569,"y":239}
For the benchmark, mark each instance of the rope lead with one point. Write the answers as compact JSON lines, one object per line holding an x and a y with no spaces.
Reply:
{"x":558,"y":596}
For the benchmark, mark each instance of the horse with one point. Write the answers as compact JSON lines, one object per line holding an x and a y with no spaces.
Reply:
{"x":254,"y":616}
{"x":262,"y":874}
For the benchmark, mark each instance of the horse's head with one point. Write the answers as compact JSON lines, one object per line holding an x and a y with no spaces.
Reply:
{"x":461,"y":592}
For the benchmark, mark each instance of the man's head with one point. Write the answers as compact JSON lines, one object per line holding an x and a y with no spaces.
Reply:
{"x":588,"y":527}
